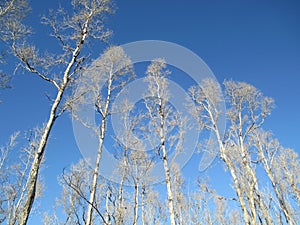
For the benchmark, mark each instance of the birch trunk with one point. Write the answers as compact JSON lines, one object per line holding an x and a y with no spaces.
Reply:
{"x":230,"y":167}
{"x":99,"y":153}
{"x":136,"y":203}
{"x":121,"y":198}
{"x":253,"y":198}
{"x":273,"y":182}
{"x":169,"y":187}
{"x":165,"y":163}
{"x":38,"y":157}
{"x":143,"y":204}
{"x":159,"y":92}
{"x":107,"y":214}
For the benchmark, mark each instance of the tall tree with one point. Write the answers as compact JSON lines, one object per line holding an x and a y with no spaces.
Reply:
{"x":205,"y":206}
{"x":247,"y":109}
{"x":166,"y":123}
{"x":282,"y":167}
{"x":71,"y":29}
{"x":136,"y":163}
{"x":206,"y":99}
{"x":104,"y":79}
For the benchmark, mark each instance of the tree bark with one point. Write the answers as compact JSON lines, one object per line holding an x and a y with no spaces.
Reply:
{"x":232,"y":171}
{"x":38,"y":157}
{"x":143,"y":204}
{"x":99,"y":153}
{"x":165,"y":163}
{"x":136,"y":203}
{"x":273,"y":182}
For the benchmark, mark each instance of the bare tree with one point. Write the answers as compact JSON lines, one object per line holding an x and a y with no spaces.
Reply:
{"x":247,"y":110}
{"x":288,"y":182}
{"x":71,"y":30}
{"x":154,"y":210}
{"x":205,"y":206}
{"x":74,"y":199}
{"x":282,"y":167}
{"x":4,"y":169}
{"x":139,"y":166}
{"x":136,"y":162}
{"x":109,"y":73}
{"x":14,"y":175}
{"x":289,"y":175}
{"x":206,"y":99}
{"x":75,"y":184}
{"x":165,"y":121}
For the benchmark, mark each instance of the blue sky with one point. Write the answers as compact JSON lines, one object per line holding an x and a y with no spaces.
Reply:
{"x":253,"y":41}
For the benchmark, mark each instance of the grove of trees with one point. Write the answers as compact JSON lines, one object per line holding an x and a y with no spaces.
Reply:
{"x":265,"y":176}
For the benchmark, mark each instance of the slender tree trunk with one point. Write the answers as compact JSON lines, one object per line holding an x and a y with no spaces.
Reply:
{"x":279,"y":197}
{"x":143,"y":204}
{"x":99,"y":154}
{"x":121,"y":202}
{"x":254,"y":199}
{"x":169,"y":186}
{"x":136,"y":203}
{"x":33,"y":176}
{"x":121,"y":198}
{"x":107,"y":214}
{"x":272,"y":179}
{"x":237,"y":187}
{"x":165,"y":163}
{"x":38,"y":157}
{"x":230,"y":168}
{"x":249,"y":171}
{"x":297,"y":191}
{"x":94,"y":182}
{"x":252,"y":184}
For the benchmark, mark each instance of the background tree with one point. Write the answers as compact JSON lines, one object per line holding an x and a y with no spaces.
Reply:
{"x":247,"y":110}
{"x":205,"y":206}
{"x":135,"y":167}
{"x":167,"y":124}
{"x":281,"y":166}
{"x":73,"y":202}
{"x":12,"y":12}
{"x":104,"y":79}
{"x":15,"y":161}
{"x":244,"y":148}
{"x":205,"y":107}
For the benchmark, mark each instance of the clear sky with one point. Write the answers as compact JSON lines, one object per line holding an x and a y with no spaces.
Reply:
{"x":253,"y":41}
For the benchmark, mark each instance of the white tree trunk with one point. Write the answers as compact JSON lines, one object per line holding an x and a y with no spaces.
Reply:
{"x":33,"y":176}
{"x":143,"y":205}
{"x":38,"y":157}
{"x":230,"y":167}
{"x":166,"y":166}
{"x":99,"y":153}
{"x":273,"y":182}
{"x":107,"y":214}
{"x":136,"y":203}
